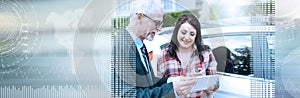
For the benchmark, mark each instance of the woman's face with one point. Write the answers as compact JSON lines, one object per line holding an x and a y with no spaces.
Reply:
{"x":186,"y":35}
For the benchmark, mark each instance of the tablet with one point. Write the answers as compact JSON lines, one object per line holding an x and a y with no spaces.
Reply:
{"x":203,"y":82}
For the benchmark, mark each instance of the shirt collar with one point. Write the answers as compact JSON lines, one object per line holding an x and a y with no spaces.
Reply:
{"x":139,"y":44}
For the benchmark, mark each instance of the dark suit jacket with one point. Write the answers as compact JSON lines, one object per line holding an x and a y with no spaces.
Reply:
{"x":130,"y":76}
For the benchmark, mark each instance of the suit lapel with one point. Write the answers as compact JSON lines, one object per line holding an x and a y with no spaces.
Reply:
{"x":140,"y":69}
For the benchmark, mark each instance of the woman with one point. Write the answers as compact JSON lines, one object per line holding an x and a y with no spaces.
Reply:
{"x":186,"y":55}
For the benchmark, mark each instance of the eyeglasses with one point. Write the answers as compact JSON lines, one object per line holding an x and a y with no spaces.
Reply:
{"x":157,"y":22}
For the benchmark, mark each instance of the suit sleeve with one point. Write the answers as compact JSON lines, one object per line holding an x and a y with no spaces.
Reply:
{"x":165,"y":90}
{"x":160,"y":81}
{"x":160,"y":90}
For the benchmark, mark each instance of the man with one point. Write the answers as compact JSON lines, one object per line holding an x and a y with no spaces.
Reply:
{"x":133,"y":75}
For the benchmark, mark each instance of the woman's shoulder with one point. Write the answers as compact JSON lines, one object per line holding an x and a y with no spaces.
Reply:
{"x":207,"y":52}
{"x":165,"y":53}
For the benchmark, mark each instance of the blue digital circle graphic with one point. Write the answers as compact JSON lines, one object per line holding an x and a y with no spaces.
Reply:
{"x":19,"y":34}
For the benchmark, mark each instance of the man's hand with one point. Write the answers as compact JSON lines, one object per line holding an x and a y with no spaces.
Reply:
{"x":183,"y":85}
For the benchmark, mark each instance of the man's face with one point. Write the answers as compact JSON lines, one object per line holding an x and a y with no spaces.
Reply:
{"x":152,"y":25}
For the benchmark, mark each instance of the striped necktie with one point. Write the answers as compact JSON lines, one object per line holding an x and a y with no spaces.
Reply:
{"x":145,"y":57}
{"x":146,"y":61}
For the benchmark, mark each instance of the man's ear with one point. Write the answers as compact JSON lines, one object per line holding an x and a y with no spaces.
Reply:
{"x":139,"y":15}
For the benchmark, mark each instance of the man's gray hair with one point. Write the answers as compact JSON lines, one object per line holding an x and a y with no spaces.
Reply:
{"x":147,"y":7}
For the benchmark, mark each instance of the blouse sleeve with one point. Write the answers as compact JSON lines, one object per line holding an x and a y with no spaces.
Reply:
{"x":212,"y":65}
{"x":160,"y":65}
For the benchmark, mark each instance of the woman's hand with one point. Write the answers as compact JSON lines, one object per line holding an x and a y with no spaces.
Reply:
{"x":210,"y":90}
{"x":201,"y":73}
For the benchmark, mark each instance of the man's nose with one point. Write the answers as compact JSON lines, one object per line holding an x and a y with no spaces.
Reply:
{"x":159,"y":29}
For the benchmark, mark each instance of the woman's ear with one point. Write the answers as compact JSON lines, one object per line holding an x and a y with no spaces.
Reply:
{"x":139,"y":15}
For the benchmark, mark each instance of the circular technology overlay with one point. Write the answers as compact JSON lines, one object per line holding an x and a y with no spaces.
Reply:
{"x":18,"y":34}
